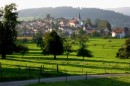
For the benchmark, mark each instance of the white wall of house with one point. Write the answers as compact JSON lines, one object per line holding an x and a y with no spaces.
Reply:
{"x":113,"y":34}
{"x":120,"y":35}
{"x":72,"y":24}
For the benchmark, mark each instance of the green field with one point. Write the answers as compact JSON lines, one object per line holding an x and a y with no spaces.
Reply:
{"x":104,"y":61}
{"x":113,"y":81}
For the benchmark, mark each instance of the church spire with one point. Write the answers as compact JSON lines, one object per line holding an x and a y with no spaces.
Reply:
{"x":79,"y":17}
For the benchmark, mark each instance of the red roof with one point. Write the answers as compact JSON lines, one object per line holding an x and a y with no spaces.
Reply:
{"x":118,"y":30}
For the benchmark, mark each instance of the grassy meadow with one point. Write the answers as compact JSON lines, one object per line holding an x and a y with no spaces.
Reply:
{"x":104,"y":61}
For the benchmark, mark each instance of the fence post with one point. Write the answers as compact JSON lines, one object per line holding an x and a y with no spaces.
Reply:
{"x":105,"y":70}
{"x":57,"y":68}
{"x":66,"y":78}
{"x":86,"y":75}
{"x":29,"y":71}
{"x":82,"y":70}
{"x":26,"y":66}
{"x":40,"y":71}
{"x":1,"y":70}
{"x":43,"y":68}
{"x":19,"y":71}
{"x":116,"y":64}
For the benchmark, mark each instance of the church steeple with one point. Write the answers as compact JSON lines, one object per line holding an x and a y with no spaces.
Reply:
{"x":79,"y":20}
{"x":79,"y":17}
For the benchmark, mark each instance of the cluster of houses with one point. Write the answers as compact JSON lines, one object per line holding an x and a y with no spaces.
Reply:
{"x":30,"y":28}
{"x":121,"y":32}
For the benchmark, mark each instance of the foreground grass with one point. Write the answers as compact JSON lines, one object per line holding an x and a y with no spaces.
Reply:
{"x":115,"y":81}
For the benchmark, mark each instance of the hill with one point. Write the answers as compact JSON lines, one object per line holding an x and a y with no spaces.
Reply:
{"x":123,"y":10}
{"x":116,"y":19}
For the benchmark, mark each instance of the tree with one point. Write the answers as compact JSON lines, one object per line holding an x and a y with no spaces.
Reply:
{"x":8,"y":31}
{"x":108,"y":25}
{"x":53,"y":44}
{"x":38,"y":39}
{"x":82,"y":39}
{"x":88,"y":22}
{"x":102,"y":24}
{"x":127,"y":43}
{"x":124,"y":52}
{"x":48,"y":16}
{"x":21,"y":49}
{"x":82,"y":51}
{"x":67,"y":46}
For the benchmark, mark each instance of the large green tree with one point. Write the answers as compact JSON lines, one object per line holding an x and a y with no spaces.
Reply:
{"x":8,"y":31}
{"x":38,"y":39}
{"x":124,"y":51}
{"x":53,"y":44}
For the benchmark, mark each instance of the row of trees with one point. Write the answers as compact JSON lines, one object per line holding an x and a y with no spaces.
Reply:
{"x":52,"y":43}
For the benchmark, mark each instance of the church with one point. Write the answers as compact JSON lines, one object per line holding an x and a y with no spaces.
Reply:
{"x":78,"y":23}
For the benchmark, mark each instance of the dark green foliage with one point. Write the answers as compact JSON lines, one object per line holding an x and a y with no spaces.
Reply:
{"x":73,"y":36}
{"x":25,"y":40}
{"x":102,"y":25}
{"x":81,"y":32}
{"x":67,"y":46}
{"x":8,"y":31}
{"x":53,"y":44}
{"x":88,"y":22}
{"x":108,"y":26}
{"x":38,"y":39}
{"x":21,"y":49}
{"x":95,"y":34}
{"x":82,"y":51}
{"x":124,"y":52}
{"x":82,"y":39}
{"x":121,"y":53}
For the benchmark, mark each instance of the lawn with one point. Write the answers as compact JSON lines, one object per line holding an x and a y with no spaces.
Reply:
{"x":34,"y":63}
{"x":111,"y":81}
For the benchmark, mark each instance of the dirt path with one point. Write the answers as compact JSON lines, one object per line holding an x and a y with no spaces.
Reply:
{"x":56,"y":79}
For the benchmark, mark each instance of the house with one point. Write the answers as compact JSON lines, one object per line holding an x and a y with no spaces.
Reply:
{"x":78,"y":23}
{"x":127,"y":31}
{"x":73,"y":22}
{"x":118,"y":33}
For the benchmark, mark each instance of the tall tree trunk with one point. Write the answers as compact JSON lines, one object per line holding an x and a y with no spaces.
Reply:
{"x":54,"y":56}
{"x":67,"y":55}
{"x":83,"y":58}
{"x":3,"y":56}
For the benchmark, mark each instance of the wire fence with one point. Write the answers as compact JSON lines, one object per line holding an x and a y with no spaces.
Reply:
{"x":19,"y":72}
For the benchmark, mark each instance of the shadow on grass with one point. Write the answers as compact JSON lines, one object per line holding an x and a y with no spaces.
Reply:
{"x":62,"y":58}
{"x":11,"y":74}
{"x":89,"y":82}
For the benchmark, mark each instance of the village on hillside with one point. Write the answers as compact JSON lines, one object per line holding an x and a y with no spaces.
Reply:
{"x":67,"y":27}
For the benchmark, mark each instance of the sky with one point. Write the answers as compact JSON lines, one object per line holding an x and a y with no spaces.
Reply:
{"x":25,"y":4}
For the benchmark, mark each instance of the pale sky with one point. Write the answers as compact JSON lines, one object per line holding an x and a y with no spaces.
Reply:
{"x":24,"y":4}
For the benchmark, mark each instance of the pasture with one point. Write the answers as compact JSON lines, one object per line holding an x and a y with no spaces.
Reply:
{"x":35,"y":65}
